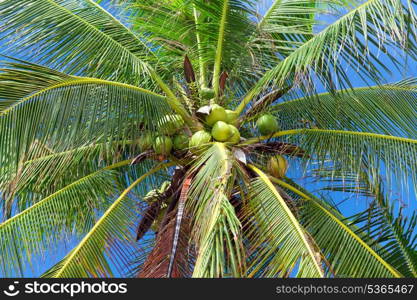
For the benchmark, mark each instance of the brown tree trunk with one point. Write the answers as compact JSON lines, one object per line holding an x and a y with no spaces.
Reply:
{"x":169,"y":258}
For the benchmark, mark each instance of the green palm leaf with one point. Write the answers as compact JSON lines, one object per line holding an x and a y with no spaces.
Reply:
{"x":42,"y":225}
{"x":286,"y":25}
{"x":381,"y":23}
{"x":46,"y":172}
{"x":388,"y":109}
{"x":219,"y":50}
{"x":88,"y":258}
{"x":382,"y":220}
{"x":20,"y":78}
{"x":281,"y":240}
{"x":216,"y":228}
{"x":75,"y":159}
{"x":349,"y":150}
{"x":66,"y":31}
{"x":75,"y":112}
{"x":395,"y":156}
{"x":102,"y":77}
{"x":396,"y":232}
{"x":349,"y":251}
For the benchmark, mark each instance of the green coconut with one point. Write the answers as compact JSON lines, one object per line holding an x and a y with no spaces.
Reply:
{"x":162,"y":145}
{"x":267,"y":124}
{"x":217,"y":113}
{"x":170,"y":124}
{"x":181,"y":141}
{"x":221,"y":131}
{"x":277,"y":166}
{"x":145,"y":141}
{"x":199,"y":138}
{"x":231,"y":117}
{"x":207,"y":93}
{"x":235,"y":137}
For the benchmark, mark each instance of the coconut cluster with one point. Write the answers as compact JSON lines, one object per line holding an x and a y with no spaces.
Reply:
{"x":222,"y":127}
{"x":171,"y":126}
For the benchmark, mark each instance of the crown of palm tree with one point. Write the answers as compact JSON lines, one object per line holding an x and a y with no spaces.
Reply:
{"x":88,"y":118}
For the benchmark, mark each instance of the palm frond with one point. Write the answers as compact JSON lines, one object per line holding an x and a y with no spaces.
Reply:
{"x":279,"y":28}
{"x":396,"y":232}
{"x":193,"y":27}
{"x":391,"y":155}
{"x":280,"y":242}
{"x":387,"y":109}
{"x":69,"y":210}
{"x":384,"y":221}
{"x":45,"y":172}
{"x":73,"y":112}
{"x":225,"y":24}
{"x":290,"y":19}
{"x":284,"y":27}
{"x":103,"y":74}
{"x":350,"y":252}
{"x":219,"y":49}
{"x":215,"y":227}
{"x":93,"y":256}
{"x":386,"y":24}
{"x":65,"y":31}
{"x":20,"y":78}
{"x":201,"y":63}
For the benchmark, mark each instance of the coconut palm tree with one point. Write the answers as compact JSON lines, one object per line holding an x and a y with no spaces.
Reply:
{"x":158,"y":134}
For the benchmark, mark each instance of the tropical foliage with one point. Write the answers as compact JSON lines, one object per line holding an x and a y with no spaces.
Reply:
{"x":158,"y":135}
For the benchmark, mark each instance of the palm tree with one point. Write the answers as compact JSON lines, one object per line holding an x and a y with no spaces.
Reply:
{"x":158,"y":137}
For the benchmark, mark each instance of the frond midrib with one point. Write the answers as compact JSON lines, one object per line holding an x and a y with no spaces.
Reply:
{"x":123,"y":26}
{"x":346,"y":132}
{"x":300,"y":232}
{"x":69,"y":12}
{"x":254,"y":90}
{"x":79,"y":81}
{"x":341,"y":224}
{"x":388,"y":87}
{"x":219,"y":49}
{"x":43,"y":201}
{"x":106,"y":213}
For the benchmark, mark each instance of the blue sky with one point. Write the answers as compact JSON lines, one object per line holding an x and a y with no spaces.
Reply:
{"x":350,"y":207}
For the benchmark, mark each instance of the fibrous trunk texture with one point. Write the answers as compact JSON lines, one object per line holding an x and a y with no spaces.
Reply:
{"x":170,"y":255}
